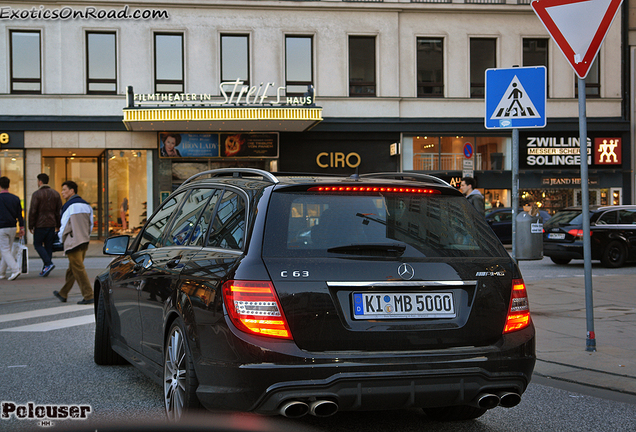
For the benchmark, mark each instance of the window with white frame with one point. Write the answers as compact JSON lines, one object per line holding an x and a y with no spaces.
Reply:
{"x":169,"y":63}
{"x":101,"y":62}
{"x":26,"y":69}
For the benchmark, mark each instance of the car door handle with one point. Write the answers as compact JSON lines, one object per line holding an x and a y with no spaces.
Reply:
{"x":173,"y":262}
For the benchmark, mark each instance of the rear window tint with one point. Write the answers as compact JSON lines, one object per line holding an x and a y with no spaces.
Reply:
{"x":315,"y":224}
{"x":566,"y":217}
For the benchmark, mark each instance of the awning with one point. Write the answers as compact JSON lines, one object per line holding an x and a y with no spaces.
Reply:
{"x":235,"y":119}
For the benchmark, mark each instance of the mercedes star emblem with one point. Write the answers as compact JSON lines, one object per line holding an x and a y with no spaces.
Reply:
{"x":406,"y":271}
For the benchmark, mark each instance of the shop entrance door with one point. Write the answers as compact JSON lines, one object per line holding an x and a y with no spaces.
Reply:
{"x":86,"y":172}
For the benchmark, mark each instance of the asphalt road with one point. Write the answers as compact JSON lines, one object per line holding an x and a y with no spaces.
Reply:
{"x":47,"y":359}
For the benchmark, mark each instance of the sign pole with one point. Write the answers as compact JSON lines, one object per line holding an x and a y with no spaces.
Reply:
{"x":515,"y":189}
{"x":590,"y":343}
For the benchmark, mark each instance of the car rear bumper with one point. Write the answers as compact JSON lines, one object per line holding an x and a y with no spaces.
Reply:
{"x":563,"y":250}
{"x":368,"y":381}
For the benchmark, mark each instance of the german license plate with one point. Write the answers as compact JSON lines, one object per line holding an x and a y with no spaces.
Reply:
{"x":556,"y":236}
{"x":403,"y":305}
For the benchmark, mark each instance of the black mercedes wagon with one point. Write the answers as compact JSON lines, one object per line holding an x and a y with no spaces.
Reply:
{"x":304,"y":294}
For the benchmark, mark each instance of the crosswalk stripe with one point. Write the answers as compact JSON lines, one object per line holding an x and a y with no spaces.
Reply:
{"x":43,"y":312}
{"x":53,"y":325}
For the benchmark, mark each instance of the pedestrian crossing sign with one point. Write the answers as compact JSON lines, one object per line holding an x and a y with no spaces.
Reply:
{"x":515,"y":98}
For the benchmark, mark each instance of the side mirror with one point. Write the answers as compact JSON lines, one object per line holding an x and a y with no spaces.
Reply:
{"x":117,"y":245}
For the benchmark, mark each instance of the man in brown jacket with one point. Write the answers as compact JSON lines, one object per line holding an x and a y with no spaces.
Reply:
{"x":44,"y":221}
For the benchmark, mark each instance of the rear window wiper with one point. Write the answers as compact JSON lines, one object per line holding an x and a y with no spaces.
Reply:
{"x":373,"y":249}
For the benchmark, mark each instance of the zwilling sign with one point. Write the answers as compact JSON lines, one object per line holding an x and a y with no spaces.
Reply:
{"x":564,"y":152}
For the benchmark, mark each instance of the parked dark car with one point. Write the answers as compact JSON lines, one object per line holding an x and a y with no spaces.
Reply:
{"x":500,"y":220}
{"x":612,"y":229}
{"x":297,"y":294}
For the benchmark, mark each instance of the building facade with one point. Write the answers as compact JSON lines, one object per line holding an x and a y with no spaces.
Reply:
{"x":101,"y":93}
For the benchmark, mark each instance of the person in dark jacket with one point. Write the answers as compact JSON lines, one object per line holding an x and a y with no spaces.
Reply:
{"x":10,"y":212}
{"x":468,"y":187}
{"x":44,"y":221}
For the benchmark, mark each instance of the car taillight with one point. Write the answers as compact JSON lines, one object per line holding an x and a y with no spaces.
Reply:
{"x":373,"y":189}
{"x":519,"y":312}
{"x":254,"y":308}
{"x":578,"y":233}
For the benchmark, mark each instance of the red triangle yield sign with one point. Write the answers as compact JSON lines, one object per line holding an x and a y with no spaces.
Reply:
{"x":578,"y":27}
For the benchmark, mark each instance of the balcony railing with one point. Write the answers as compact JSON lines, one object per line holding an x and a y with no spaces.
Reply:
{"x":443,"y":162}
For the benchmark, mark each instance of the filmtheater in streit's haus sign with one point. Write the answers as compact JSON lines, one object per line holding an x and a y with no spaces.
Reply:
{"x":238,"y":107}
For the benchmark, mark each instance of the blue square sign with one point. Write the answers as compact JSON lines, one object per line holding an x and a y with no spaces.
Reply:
{"x":515,"y":98}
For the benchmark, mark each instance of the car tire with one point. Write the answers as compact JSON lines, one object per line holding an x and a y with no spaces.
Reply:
{"x":614,"y":255}
{"x":103,"y":352}
{"x":560,"y":261}
{"x":179,"y":378}
{"x":454,"y":413}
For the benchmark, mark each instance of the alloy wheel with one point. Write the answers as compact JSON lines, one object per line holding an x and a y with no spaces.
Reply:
{"x":174,"y":374}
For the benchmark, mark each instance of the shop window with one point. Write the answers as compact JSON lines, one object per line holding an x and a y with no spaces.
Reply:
{"x":535,"y":53}
{"x":298,"y":64}
{"x":12,"y":166}
{"x":101,"y":63}
{"x":483,"y":55}
{"x":26,"y":75}
{"x":430,"y":67}
{"x":129,"y":197}
{"x":362,"y":66}
{"x":235,"y":55}
{"x":169,"y":63}
{"x":447,"y":153}
{"x":592,"y":81}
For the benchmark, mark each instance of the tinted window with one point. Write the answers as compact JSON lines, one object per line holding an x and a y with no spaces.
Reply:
{"x":607,"y":218}
{"x":411,"y":226}
{"x":228,"y":226}
{"x":627,"y":217}
{"x":430,"y":67}
{"x":187,"y":217}
{"x":201,"y":231}
{"x":565,"y":217}
{"x":151,"y":236}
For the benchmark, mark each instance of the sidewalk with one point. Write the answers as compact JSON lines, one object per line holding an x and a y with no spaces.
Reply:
{"x":557,"y":306}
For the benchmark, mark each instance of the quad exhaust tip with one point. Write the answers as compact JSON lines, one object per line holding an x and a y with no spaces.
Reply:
{"x":318,"y":408}
{"x":509,"y":399}
{"x":505,"y":399}
{"x":294,"y":409}
{"x":323,"y":408}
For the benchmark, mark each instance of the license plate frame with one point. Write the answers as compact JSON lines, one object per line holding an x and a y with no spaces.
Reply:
{"x":556,"y":236}
{"x":395,"y":305}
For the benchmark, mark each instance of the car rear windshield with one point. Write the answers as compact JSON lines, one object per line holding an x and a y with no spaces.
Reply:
{"x":309,"y":224}
{"x":565,"y":217}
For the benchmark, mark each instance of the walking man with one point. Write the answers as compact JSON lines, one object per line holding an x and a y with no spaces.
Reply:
{"x":44,"y":221}
{"x":75,"y":232}
{"x":10,"y":212}
{"x":468,"y":188}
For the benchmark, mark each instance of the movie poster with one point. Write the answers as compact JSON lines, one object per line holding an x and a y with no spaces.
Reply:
{"x":190,"y":145}
{"x":214,"y":145}
{"x":249,"y":145}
